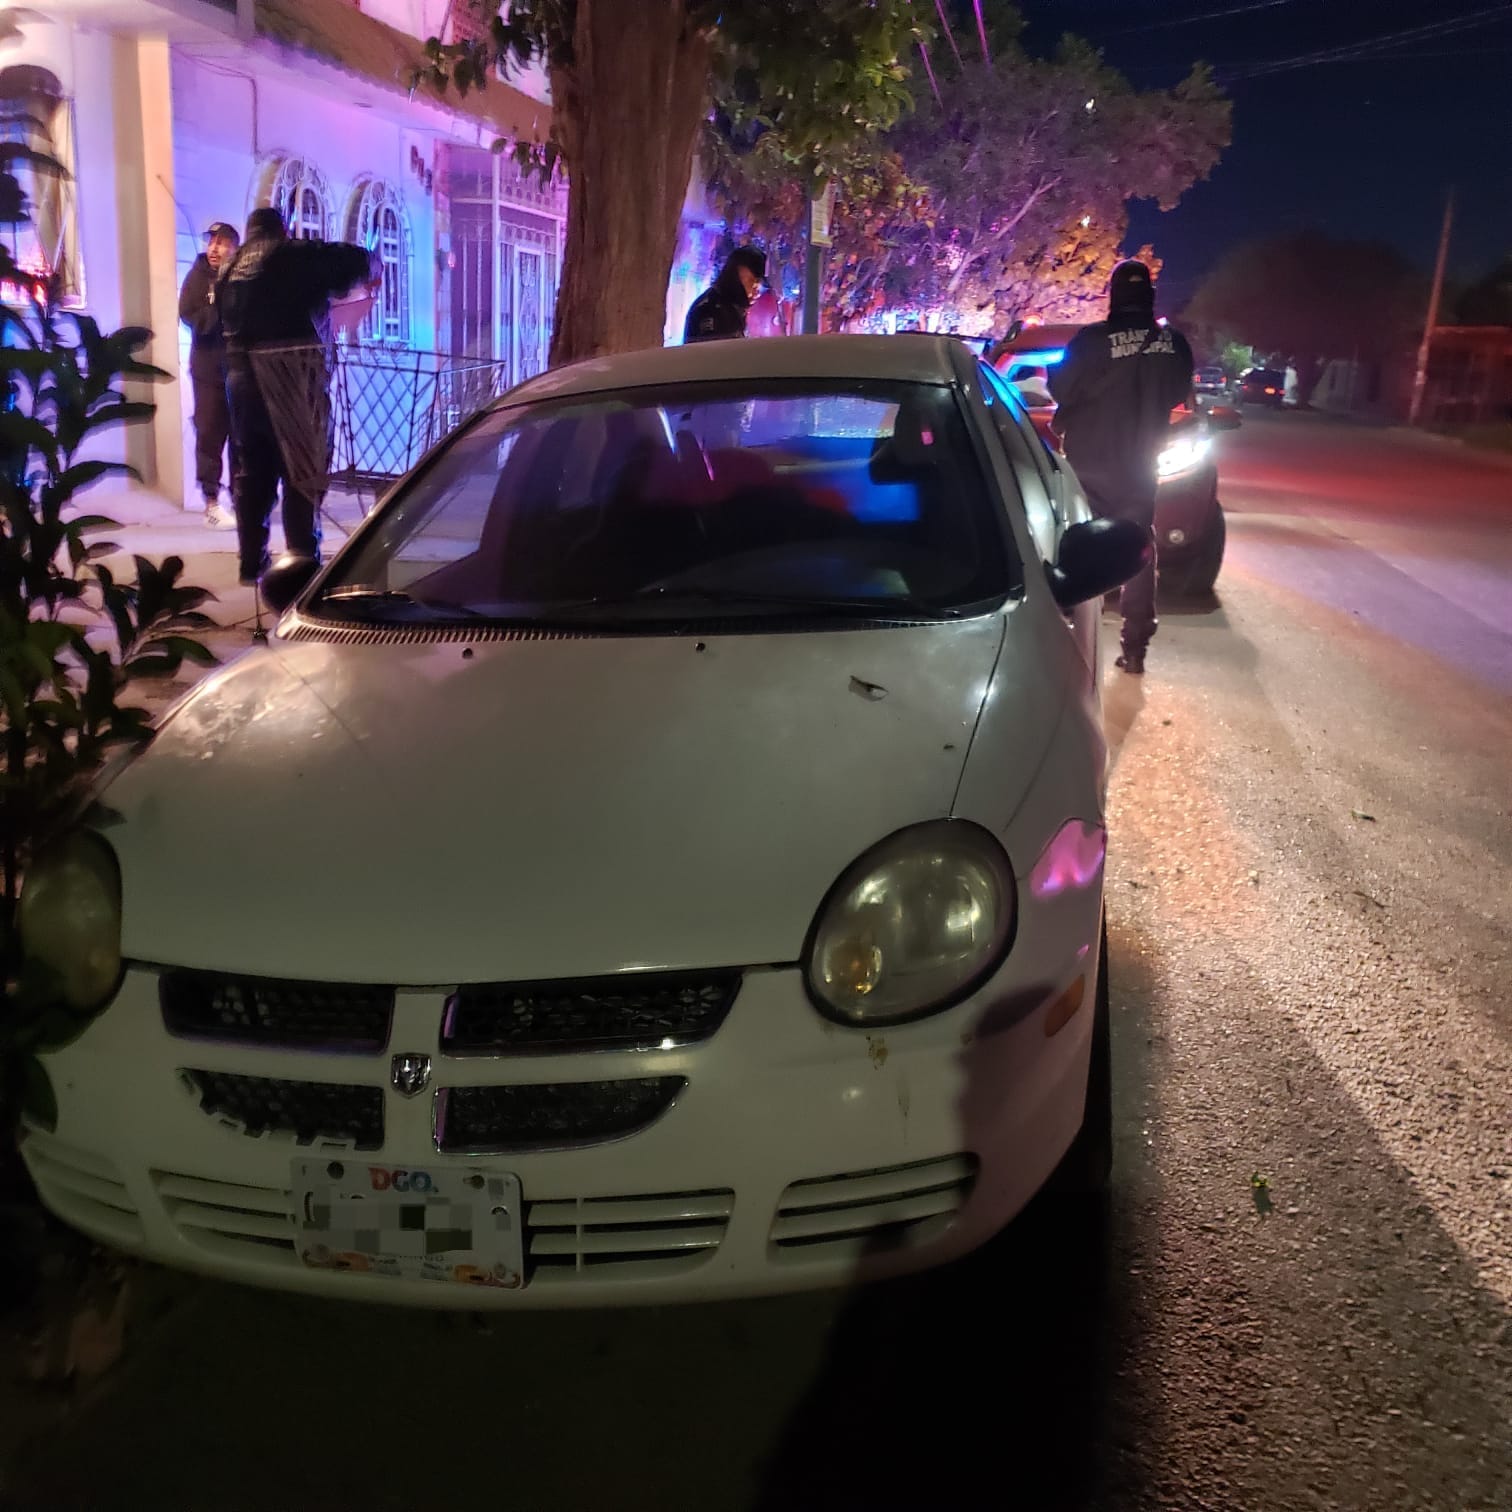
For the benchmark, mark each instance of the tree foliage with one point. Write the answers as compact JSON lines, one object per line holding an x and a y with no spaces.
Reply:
{"x":1488,"y":301}
{"x":1064,"y":282}
{"x":631,"y":85}
{"x":878,"y":212}
{"x":1004,"y":192}
{"x":1018,"y":151}
{"x":1309,"y":297}
{"x":74,"y":637}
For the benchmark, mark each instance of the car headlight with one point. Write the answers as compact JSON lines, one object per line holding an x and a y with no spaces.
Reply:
{"x":70,"y":918}
{"x":912,"y":927}
{"x":1182,"y":455}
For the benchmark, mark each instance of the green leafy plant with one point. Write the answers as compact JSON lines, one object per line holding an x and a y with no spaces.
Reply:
{"x":74,"y":636}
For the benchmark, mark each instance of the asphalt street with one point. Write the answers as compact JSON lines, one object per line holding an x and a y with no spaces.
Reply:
{"x":1298,"y":1296}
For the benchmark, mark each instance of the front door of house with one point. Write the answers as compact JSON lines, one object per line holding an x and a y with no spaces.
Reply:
{"x":528,"y":356}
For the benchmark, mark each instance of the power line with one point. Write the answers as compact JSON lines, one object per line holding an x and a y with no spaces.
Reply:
{"x":1370,"y":48}
{"x":1415,"y":56}
{"x":1233,"y":10}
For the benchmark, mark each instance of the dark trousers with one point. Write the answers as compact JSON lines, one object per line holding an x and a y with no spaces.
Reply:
{"x":1129,"y":497}
{"x":259,"y":471}
{"x":212,"y":430}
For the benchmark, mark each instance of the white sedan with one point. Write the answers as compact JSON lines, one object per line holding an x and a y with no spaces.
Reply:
{"x":660,"y":857}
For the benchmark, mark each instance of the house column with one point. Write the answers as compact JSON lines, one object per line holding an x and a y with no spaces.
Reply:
{"x":146,"y":219}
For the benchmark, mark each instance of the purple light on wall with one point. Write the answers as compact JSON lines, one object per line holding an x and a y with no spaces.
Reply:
{"x":1072,"y":861}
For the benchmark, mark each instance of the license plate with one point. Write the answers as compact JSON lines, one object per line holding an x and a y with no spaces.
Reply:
{"x":448,"y":1224}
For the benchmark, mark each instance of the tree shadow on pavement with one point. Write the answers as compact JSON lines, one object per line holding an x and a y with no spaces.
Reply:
{"x":985,"y":1382}
{"x":1123,"y":703}
{"x":1189,"y":605}
{"x":994,"y":1381}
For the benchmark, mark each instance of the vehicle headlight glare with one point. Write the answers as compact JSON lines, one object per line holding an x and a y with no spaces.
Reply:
{"x":914,"y":926}
{"x":1183,"y":455}
{"x":70,"y":918}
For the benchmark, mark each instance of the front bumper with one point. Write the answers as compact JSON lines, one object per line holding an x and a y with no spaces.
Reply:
{"x":798,"y":1154}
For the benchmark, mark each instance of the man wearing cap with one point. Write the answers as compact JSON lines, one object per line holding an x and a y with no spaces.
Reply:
{"x":207,"y":370}
{"x":721,"y":310}
{"x":1115,"y":390}
{"x":276,"y":294}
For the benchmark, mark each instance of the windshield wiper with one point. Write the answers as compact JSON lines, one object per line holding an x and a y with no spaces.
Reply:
{"x":372,"y":603}
{"x":880,"y":606}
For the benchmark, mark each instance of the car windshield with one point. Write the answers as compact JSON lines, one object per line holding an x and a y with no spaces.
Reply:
{"x":648,"y":506}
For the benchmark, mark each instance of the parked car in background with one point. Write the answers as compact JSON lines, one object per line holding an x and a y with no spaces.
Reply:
{"x":1210,"y":379}
{"x":663,"y":859}
{"x":1262,"y":385}
{"x":1190,"y":530}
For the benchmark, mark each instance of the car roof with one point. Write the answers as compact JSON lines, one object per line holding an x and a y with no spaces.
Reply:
{"x":1039,"y":338}
{"x":913,"y":358}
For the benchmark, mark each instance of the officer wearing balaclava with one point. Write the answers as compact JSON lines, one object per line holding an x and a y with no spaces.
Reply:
{"x":1116,"y":388}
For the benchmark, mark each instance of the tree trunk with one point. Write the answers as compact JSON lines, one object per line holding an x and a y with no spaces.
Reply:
{"x":627,"y":113}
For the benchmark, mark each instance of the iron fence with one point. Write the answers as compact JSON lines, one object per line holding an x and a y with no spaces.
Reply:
{"x":361,"y":416}
{"x":391,"y":407}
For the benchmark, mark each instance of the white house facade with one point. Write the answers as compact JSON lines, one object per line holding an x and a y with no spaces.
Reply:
{"x":173,"y":114}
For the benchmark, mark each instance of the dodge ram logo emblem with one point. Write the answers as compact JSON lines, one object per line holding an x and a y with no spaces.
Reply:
{"x":410,"y":1074}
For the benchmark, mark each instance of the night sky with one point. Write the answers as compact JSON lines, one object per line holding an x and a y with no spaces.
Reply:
{"x":1365,"y":147}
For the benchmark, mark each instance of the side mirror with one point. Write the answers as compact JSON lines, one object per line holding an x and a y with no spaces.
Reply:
{"x":286,"y":579}
{"x":1223,"y":417}
{"x":1096,"y":557}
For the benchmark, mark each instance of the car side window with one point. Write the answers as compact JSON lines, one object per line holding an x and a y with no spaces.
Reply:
{"x":1045,"y":459}
{"x":1036,"y":480}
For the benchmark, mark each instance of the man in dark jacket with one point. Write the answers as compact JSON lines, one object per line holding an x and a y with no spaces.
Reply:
{"x":275,"y":300}
{"x":721,"y":310}
{"x":1116,"y":388}
{"x":207,"y":369}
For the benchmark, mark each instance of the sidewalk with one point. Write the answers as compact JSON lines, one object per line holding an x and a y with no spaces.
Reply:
{"x":150,"y":526}
{"x":1387,"y":425}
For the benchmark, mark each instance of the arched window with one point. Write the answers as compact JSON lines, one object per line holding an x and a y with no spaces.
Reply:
{"x":377,"y":221}
{"x":298,"y":190}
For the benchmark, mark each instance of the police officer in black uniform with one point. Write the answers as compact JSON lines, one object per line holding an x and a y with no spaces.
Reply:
{"x":277,"y":293}
{"x":721,"y":310}
{"x":1116,"y":388}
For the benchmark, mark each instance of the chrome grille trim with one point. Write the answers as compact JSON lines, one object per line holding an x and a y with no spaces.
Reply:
{"x":630,"y":1011}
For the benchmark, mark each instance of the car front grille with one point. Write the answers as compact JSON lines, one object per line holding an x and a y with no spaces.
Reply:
{"x":257,"y":1105}
{"x":628,"y":1236}
{"x":84,"y":1188}
{"x":229,"y":1219}
{"x":868,"y":1211}
{"x":549,"y":1115}
{"x":340,"y":1017}
{"x":567,"y":1239}
{"x":646,"y":1011}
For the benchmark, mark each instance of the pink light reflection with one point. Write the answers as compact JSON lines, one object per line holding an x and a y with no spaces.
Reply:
{"x":1073,"y":860}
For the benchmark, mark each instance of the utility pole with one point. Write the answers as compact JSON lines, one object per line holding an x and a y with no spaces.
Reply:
{"x":821,"y":205}
{"x":1425,"y":347}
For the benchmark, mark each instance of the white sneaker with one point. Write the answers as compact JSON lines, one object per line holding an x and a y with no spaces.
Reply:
{"x":219,"y":516}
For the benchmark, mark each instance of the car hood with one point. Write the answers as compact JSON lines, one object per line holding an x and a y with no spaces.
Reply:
{"x":435,"y":813}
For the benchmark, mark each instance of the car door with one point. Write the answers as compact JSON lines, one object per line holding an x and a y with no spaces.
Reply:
{"x":1053,"y":499}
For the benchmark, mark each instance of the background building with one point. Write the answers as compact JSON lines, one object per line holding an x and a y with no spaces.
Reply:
{"x":171,"y":114}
